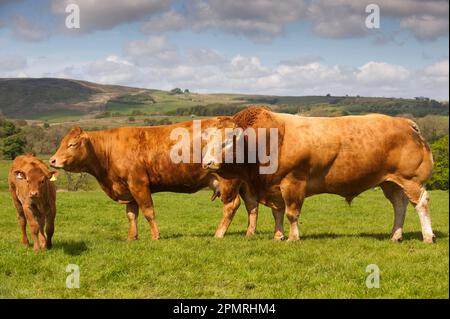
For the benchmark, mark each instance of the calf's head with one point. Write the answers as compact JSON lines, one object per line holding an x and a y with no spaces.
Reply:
{"x":33,"y":181}
{"x":73,"y":151}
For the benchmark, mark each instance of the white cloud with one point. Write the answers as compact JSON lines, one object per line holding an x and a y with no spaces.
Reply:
{"x":153,"y":50}
{"x":381,"y":73}
{"x":27,"y":30}
{"x":426,"y":27}
{"x":12,"y":62}
{"x":112,"y":70}
{"x":104,"y":15}
{"x":169,"y":21}
{"x":437,"y":71}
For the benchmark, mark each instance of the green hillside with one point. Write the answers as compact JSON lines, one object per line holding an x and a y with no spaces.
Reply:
{"x":61,"y":100}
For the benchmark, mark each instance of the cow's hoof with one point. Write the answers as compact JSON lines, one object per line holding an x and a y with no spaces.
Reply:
{"x":429,"y":239}
{"x":396,"y":239}
{"x":250,"y":233}
{"x":293,"y":239}
{"x":132,"y":238}
{"x":279,"y":237}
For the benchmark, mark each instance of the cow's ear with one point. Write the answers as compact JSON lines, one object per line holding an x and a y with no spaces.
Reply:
{"x":52,"y":175}
{"x":76,"y":130}
{"x":19,"y":175}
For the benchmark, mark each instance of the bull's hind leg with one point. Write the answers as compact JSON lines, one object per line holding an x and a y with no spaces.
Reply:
{"x":132,"y":210}
{"x":293,"y":192}
{"x":399,"y":201}
{"x":420,"y":199}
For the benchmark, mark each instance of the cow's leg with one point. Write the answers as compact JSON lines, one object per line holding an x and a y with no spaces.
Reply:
{"x":419,"y":197}
{"x":229,"y":210}
{"x":293,"y":192}
{"x":132,"y":211}
{"x":143,"y":197}
{"x":399,"y":201}
{"x":251,"y":204}
{"x":278,"y":215}
{"x":36,"y":228}
{"x":50,"y":226}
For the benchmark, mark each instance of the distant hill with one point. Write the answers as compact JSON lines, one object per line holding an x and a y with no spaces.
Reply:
{"x":50,"y":98}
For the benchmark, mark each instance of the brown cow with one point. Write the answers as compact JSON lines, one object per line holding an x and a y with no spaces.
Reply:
{"x":341,"y":155}
{"x":131,"y":163}
{"x":34,"y":197}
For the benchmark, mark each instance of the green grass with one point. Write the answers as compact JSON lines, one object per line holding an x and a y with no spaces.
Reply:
{"x":337,"y":244}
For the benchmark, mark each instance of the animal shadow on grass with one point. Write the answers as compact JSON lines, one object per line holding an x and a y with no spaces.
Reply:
{"x":378,"y":236}
{"x":71,"y":248}
{"x":211,"y":234}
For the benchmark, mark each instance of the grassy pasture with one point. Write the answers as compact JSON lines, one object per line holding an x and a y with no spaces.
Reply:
{"x":338,"y":242}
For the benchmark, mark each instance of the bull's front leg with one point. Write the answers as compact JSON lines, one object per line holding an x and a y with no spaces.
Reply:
{"x":132,"y":210}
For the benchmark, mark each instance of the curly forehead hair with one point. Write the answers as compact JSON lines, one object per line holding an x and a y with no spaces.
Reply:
{"x":250,"y":115}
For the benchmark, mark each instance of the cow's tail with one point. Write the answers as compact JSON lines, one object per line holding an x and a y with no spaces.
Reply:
{"x":215,"y":194}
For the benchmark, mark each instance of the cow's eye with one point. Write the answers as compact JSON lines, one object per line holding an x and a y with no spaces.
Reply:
{"x":73,"y":145}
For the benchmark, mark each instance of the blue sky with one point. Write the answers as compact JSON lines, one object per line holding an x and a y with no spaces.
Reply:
{"x":292,"y":47}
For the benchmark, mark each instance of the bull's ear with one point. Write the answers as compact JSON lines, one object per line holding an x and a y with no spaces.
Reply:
{"x":52,"y":175}
{"x":19,"y":175}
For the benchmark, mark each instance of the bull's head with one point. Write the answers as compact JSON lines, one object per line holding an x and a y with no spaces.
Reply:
{"x":34,"y":180}
{"x":224,"y":144}
{"x":72,"y":152}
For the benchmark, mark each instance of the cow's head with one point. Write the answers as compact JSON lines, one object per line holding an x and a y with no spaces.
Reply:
{"x":34,"y":180}
{"x":223,"y":144}
{"x":73,"y":151}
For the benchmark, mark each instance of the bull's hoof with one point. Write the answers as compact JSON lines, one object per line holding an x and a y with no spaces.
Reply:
{"x":429,"y":239}
{"x":279,"y":237}
{"x":293,"y":239}
{"x":132,"y":238}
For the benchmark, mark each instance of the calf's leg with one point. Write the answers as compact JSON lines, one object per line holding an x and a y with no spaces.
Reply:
{"x":21,"y":219}
{"x":50,"y":226}
{"x":36,"y":228}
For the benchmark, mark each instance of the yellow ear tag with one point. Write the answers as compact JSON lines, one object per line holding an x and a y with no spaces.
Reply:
{"x":53,"y":178}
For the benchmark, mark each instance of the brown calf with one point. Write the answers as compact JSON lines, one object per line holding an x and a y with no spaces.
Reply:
{"x":34,"y":197}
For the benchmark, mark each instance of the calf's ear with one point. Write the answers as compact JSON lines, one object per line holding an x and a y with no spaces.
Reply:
{"x":19,"y":175}
{"x":52,"y":175}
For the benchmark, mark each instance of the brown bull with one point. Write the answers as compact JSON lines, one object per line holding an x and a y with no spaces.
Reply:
{"x":34,"y":197}
{"x":131,"y":163}
{"x":342,"y":155}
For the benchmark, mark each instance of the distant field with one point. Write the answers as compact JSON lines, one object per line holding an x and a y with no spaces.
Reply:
{"x":338,"y":242}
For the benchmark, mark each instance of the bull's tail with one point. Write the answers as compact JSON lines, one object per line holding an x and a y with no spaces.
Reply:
{"x":428,"y":160}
